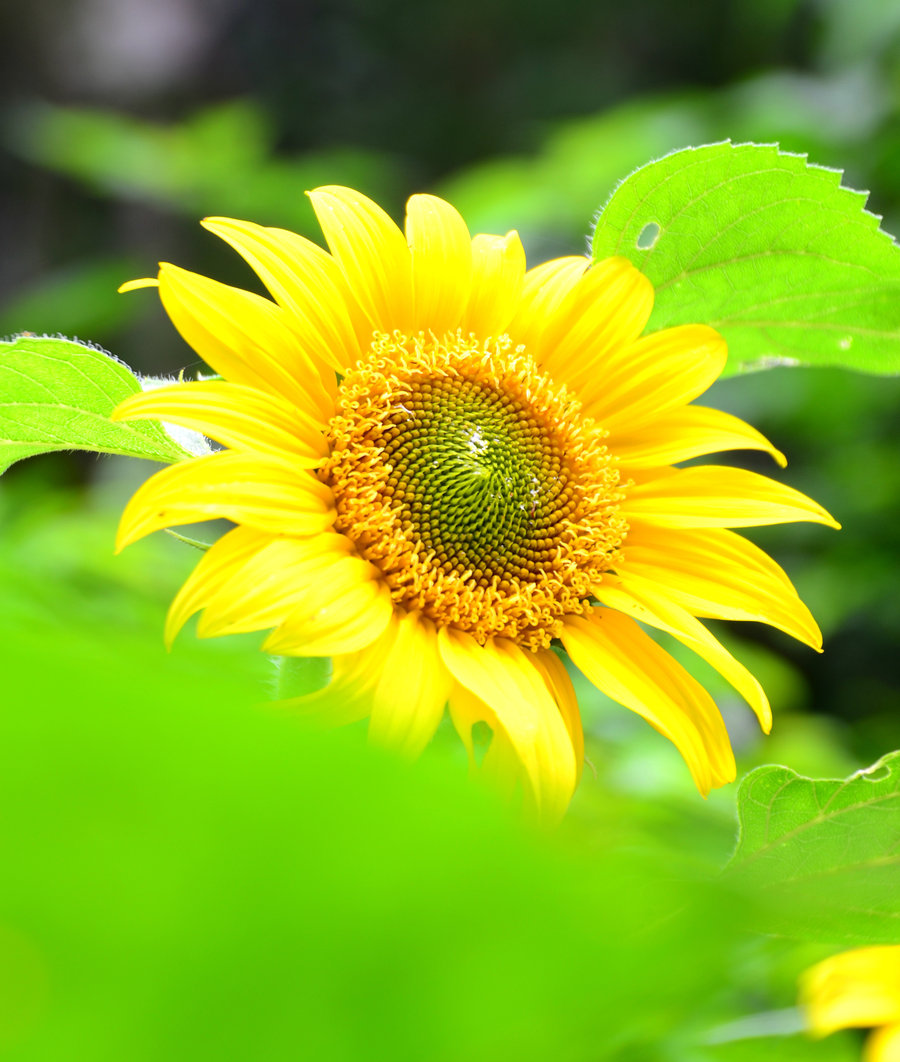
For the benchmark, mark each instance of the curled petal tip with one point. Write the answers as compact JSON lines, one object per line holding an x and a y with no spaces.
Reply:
{"x":136,"y":285}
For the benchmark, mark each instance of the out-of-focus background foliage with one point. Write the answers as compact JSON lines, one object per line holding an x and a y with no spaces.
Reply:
{"x":155,"y":849}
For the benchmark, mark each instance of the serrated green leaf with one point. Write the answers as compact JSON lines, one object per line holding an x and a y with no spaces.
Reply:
{"x":773,"y":252}
{"x":823,"y":855}
{"x":57,"y":394}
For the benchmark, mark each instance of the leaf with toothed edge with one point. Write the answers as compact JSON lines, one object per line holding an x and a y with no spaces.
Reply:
{"x":772,"y":251}
{"x":57,"y":394}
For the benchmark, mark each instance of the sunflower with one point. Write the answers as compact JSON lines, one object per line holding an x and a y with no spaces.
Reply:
{"x":858,"y":989}
{"x":448,"y":473}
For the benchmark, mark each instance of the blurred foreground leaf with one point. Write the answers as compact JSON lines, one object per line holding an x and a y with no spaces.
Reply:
{"x":823,"y":855}
{"x":57,"y":394}
{"x":769,"y":250}
{"x":189,"y":875}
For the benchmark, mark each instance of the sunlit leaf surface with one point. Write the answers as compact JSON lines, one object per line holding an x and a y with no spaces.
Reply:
{"x":57,"y":394}
{"x":770,"y":250}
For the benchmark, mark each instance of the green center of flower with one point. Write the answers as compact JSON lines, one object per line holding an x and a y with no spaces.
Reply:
{"x":480,"y":481}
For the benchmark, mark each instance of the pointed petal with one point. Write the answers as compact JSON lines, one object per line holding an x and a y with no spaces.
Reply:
{"x":255,"y":490}
{"x":137,"y":285}
{"x":323,"y":624}
{"x":441,"y":251}
{"x":679,"y":434}
{"x":498,"y":273}
{"x":659,"y":372}
{"x":243,"y":337}
{"x":276,"y":579}
{"x":604,"y":313}
{"x":216,"y":567}
{"x":718,"y":574}
{"x":306,"y":282}
{"x":719,"y":496}
{"x":372,"y":253}
{"x":412,"y":690}
{"x":543,"y":290}
{"x":640,"y":600}
{"x":628,"y":666}
{"x":501,"y":676}
{"x":236,"y":416}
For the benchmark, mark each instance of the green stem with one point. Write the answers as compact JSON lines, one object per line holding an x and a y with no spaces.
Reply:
{"x":297,"y":675}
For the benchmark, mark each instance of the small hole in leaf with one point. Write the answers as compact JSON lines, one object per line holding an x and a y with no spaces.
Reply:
{"x":647,"y":236}
{"x":878,"y":772}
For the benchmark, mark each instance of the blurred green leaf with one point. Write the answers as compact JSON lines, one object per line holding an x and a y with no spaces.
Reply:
{"x":200,"y":877}
{"x":823,"y":854}
{"x":220,"y":160}
{"x":771,"y":251}
{"x":57,"y":394}
{"x":76,"y":300}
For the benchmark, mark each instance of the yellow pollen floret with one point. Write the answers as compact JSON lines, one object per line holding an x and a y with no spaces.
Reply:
{"x":476,"y":486}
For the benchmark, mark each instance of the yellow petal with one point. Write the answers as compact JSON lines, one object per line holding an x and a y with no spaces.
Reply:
{"x":605,"y":312}
{"x":718,"y":574}
{"x":543,"y":290}
{"x":243,"y":337}
{"x":441,"y":263}
{"x":217,"y":565}
{"x":466,"y":712}
{"x":137,"y":285}
{"x":498,"y":272}
{"x":372,"y":253}
{"x":718,"y":496}
{"x":641,"y":600}
{"x":883,"y":1045}
{"x":276,"y":579}
{"x":409,"y":697}
{"x":306,"y":282}
{"x":501,"y":676}
{"x":500,"y":766}
{"x":628,"y":666}
{"x":553,"y":671}
{"x":322,"y":625}
{"x":348,"y":696}
{"x":659,"y":372}
{"x":679,"y":434}
{"x":854,"y":989}
{"x":241,"y":417}
{"x":250,"y":489}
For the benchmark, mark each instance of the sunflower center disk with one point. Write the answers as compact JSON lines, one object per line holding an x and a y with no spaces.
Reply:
{"x":481,"y":483}
{"x":486,"y":499}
